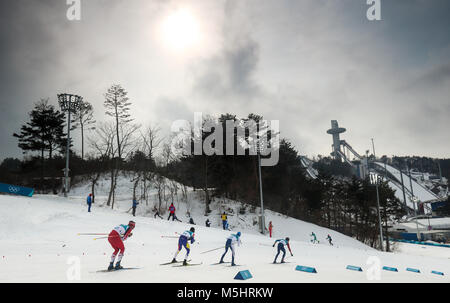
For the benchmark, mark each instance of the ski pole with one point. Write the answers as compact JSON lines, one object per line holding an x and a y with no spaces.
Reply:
{"x":100,"y":238}
{"x":211,"y":250}
{"x":105,"y":237}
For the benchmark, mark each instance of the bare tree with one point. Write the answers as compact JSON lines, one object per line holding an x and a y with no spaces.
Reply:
{"x":117,"y":106}
{"x":128,"y":143}
{"x":160,"y":184}
{"x":103,"y":146}
{"x":150,"y":142}
{"x":84,"y":118}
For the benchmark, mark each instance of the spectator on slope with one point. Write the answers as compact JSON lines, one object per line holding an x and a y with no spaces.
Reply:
{"x":116,"y":237}
{"x":280,"y":248}
{"x":89,"y":202}
{"x":231,"y":244}
{"x":135,"y":204}
{"x":224,"y":221}
{"x":171,"y":212}
{"x":329,"y":240}
{"x":183,"y":241}
{"x":270,"y":229}
{"x":208,"y":223}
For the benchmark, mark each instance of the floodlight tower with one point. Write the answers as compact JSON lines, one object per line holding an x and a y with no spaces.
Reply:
{"x":335,"y":130}
{"x":71,"y":104}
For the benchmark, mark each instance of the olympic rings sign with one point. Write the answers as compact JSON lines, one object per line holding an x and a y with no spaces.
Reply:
{"x":14,"y":189}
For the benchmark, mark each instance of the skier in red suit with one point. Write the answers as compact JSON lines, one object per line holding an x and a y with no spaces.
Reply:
{"x":116,"y":237}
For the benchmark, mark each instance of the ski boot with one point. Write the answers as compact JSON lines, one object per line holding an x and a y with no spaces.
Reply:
{"x":221,"y":261}
{"x":174,"y":260}
{"x":111,"y":266}
{"x":118,"y":266}
{"x":185,"y":263}
{"x":233,"y":264}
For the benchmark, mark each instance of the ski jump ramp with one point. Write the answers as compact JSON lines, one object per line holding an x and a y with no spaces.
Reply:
{"x":411,"y":186}
{"x":393,"y":176}
{"x":308,"y":165}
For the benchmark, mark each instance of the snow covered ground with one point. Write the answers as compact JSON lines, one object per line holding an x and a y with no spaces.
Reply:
{"x":40,"y":243}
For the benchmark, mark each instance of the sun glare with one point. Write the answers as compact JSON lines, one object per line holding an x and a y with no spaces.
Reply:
{"x":180,"y":30}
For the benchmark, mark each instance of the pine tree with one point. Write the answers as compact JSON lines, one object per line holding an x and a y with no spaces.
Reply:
{"x":44,"y":132}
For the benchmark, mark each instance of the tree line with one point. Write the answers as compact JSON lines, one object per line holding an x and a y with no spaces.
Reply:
{"x":335,"y":200}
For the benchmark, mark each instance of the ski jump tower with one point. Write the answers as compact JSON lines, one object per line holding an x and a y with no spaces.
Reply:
{"x":335,"y":130}
{"x":341,"y":150}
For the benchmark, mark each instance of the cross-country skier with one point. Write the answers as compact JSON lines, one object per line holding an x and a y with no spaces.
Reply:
{"x":329,"y":240}
{"x":280,"y":247}
{"x":183,"y":241}
{"x":135,"y":204}
{"x":89,"y":202}
{"x":116,"y":237}
{"x":231,"y":244}
{"x":224,"y":221}
{"x":314,"y":238}
{"x":172,"y":212}
{"x":157,"y":214}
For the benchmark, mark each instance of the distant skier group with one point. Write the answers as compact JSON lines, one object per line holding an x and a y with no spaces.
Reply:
{"x":122,"y":232}
{"x":314,"y":239}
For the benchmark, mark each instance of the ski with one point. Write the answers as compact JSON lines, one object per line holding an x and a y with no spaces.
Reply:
{"x":280,"y":263}
{"x":189,"y":264}
{"x":220,"y":263}
{"x":113,"y":270}
{"x":168,"y":263}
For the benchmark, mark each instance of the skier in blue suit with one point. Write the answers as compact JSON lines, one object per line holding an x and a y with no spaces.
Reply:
{"x":135,"y":204}
{"x":230,"y":244}
{"x":280,"y":247}
{"x":183,"y":241}
{"x":89,"y":202}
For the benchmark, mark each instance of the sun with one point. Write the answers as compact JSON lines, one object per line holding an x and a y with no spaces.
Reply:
{"x":180,"y":30}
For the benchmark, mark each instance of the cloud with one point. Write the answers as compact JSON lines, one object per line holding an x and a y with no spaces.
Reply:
{"x":301,"y":62}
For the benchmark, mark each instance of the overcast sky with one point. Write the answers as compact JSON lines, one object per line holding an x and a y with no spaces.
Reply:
{"x":302,"y":62}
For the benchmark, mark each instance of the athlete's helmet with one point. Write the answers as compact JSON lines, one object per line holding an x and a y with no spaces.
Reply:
{"x":287,"y":239}
{"x":132,"y":224}
{"x":238,"y":234}
{"x":192,"y":229}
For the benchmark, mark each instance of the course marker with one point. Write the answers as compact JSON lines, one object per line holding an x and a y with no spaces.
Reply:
{"x":243,"y":275}
{"x":306,"y":269}
{"x":390,"y":268}
{"x":356,"y":268}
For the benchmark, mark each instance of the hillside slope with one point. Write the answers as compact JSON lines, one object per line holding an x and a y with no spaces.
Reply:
{"x":41,"y":240}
